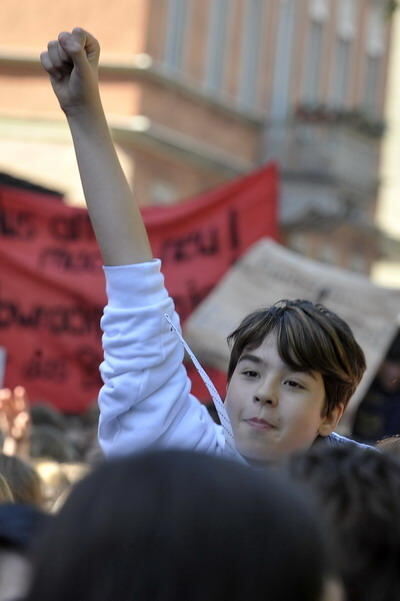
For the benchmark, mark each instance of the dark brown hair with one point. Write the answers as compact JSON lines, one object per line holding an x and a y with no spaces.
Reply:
{"x":357,"y":491}
{"x":134,"y":513}
{"x":310,"y":338}
{"x":23,"y":480}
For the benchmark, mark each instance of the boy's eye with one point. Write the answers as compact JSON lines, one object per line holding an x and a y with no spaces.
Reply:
{"x":293,"y":384}
{"x":250,"y":373}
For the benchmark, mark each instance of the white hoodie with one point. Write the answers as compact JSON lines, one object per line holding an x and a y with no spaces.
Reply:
{"x":146,"y":401}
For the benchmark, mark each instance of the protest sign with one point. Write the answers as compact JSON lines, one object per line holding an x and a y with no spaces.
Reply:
{"x":51,"y":299}
{"x":199,"y":240}
{"x":267,"y":273}
{"x":52,"y":284}
{"x":3,"y":356}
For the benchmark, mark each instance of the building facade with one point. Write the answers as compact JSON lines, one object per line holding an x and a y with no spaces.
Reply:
{"x":201,"y":91}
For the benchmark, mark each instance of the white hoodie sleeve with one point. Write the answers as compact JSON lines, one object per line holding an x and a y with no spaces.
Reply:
{"x":146,"y":401}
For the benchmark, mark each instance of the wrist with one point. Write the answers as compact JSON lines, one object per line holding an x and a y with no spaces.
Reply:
{"x":84,"y":111}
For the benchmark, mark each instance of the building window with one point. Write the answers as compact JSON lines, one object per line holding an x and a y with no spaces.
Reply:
{"x":371,"y":84}
{"x":375,"y":49}
{"x":375,"y":45}
{"x":346,"y":19}
{"x":318,"y":10}
{"x":313,"y":63}
{"x":341,"y":72}
{"x":250,"y":53}
{"x":216,"y":45}
{"x":346,"y":28}
{"x":283,"y":61}
{"x":176,"y":29}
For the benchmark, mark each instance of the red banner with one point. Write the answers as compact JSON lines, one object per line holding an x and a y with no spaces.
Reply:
{"x":52,"y":284}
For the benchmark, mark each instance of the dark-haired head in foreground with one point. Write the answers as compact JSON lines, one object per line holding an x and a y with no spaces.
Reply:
{"x":180,"y":526}
{"x":358,"y":492}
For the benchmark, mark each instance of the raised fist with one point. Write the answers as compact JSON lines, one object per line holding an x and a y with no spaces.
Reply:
{"x":72,"y":64}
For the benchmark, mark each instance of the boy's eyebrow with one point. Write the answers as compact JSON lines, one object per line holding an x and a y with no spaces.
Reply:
{"x":256,"y":359}
{"x":250,"y":357}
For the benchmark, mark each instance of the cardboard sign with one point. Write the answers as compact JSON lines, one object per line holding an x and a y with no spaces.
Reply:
{"x":268,"y":273}
{"x":52,"y":284}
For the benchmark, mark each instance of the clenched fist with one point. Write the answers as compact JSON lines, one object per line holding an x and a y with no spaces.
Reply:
{"x":72,"y":64}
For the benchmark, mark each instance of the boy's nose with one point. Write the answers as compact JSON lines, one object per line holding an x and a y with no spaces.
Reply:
{"x":266,"y":401}
{"x":267,"y":394}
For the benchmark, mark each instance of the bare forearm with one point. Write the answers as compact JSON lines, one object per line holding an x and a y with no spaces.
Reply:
{"x":72,"y":64}
{"x":115,"y":216}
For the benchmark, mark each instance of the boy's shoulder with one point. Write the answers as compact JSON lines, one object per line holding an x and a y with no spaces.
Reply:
{"x":336,"y":440}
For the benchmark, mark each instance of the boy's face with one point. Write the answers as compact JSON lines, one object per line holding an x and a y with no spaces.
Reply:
{"x":273,"y":409}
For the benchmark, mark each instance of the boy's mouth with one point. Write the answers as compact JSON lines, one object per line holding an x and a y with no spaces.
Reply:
{"x":259,"y":424}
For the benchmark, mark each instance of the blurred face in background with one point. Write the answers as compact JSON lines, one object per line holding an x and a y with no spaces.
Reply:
{"x":389,"y":375}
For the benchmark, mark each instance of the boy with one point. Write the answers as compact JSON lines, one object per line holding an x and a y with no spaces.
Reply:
{"x":293,"y":367}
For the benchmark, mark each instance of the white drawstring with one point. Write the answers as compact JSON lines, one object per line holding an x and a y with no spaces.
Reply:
{"x":218,"y":403}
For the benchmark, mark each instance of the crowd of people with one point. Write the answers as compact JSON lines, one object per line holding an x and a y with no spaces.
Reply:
{"x":322,"y":523}
{"x":169,"y":505}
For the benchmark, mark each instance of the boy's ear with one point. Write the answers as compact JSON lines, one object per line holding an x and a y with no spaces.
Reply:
{"x":330,"y":421}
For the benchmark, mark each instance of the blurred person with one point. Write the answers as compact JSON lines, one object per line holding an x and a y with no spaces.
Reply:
{"x":57,"y":480}
{"x":45,"y":414}
{"x":23,"y":480}
{"x":54,"y":481}
{"x":6,"y":495}
{"x":390,"y":445}
{"x":48,"y":442}
{"x":378,"y":415}
{"x":93,"y":453}
{"x":39,"y":430}
{"x":135,"y":530}
{"x":75,"y":471}
{"x":90,"y":418}
{"x":358,"y":495}
{"x":15,"y":421}
{"x":77,"y":435}
{"x":293,"y":366}
{"x":19,"y":527}
{"x":90,"y":421}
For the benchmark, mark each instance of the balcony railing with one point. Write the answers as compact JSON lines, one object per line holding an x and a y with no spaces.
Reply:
{"x":324,"y":151}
